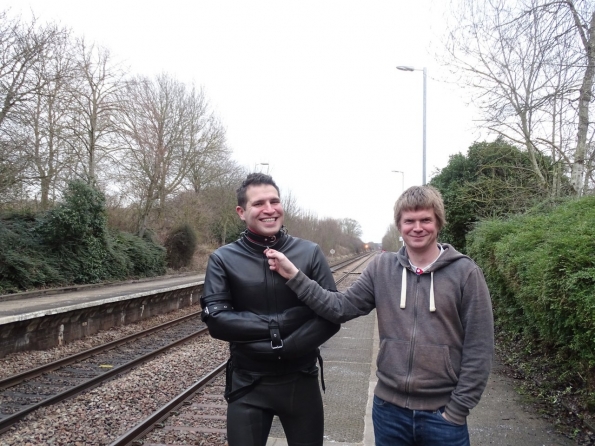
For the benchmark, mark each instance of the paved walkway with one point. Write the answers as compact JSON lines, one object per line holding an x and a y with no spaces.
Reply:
{"x":500,"y":419}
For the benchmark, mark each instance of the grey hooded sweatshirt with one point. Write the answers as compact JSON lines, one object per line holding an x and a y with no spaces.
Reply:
{"x":436,"y":328}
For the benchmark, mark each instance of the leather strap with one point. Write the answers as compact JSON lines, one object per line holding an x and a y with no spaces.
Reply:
{"x":274,"y":329}
{"x":232,"y":395}
{"x":321,"y":374}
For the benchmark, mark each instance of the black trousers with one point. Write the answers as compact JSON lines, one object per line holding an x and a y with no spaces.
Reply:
{"x":295,"y":398}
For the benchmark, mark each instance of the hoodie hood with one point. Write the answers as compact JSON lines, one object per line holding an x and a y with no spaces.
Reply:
{"x":446,"y":257}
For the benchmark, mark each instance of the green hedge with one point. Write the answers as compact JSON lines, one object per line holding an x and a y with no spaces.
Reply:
{"x":72,"y":244}
{"x":180,"y":246}
{"x":24,"y":263}
{"x":540,"y":268}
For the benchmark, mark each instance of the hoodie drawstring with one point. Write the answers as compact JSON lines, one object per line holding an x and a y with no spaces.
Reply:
{"x":404,"y":291}
{"x":432,"y":303}
{"x":404,"y":288}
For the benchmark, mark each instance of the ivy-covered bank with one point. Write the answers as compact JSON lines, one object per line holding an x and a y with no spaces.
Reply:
{"x":540,"y":267}
{"x":71,"y":244}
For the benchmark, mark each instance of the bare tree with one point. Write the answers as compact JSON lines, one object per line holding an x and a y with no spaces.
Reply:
{"x":161,"y":124}
{"x":328,"y":235}
{"x":42,"y":122}
{"x":390,"y":241}
{"x":94,"y":103}
{"x":351,"y":228}
{"x":218,"y":202}
{"x":22,"y":47}
{"x":531,"y":65}
{"x":290,"y":206}
{"x":208,"y":160}
{"x":24,"y":50}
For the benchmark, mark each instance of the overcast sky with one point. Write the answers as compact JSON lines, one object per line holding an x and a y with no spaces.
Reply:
{"x":309,"y":87}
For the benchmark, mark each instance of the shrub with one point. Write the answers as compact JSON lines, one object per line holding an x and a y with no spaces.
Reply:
{"x":76,"y":231}
{"x":493,"y":180}
{"x":180,"y":245}
{"x":72,"y":244}
{"x":541,"y":272}
{"x":143,"y":257}
{"x":23,"y":264}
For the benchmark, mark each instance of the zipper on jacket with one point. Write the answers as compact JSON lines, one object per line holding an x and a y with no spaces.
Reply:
{"x":413,"y":336}
{"x":269,"y":278}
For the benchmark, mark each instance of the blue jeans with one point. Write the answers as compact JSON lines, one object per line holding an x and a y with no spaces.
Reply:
{"x":396,"y":426}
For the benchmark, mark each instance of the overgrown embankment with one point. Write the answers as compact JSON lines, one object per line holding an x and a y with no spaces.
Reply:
{"x":72,"y":244}
{"x":540,"y":267}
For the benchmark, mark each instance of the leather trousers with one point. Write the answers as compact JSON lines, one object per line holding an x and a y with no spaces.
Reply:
{"x":295,"y":398}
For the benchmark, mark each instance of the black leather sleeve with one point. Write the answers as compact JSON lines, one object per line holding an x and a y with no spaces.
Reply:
{"x":293,"y":318}
{"x":224,"y":322}
{"x":302,"y":341}
{"x":311,"y":335}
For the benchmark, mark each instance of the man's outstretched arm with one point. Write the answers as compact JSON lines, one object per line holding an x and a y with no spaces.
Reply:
{"x":334,"y":306}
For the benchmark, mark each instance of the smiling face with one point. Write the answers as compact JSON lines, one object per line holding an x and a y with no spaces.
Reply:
{"x":263,"y":212}
{"x":419,"y":229}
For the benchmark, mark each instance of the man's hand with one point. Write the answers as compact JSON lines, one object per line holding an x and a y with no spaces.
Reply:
{"x":278,"y":262}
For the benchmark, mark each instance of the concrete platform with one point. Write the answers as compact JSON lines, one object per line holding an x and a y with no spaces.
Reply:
{"x":500,"y":419}
{"x":23,"y":306}
{"x":45,"y":319}
{"x":349,"y":373}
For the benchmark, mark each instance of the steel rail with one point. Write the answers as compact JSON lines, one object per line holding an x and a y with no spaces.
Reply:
{"x":7,"y":422}
{"x":33,"y":373}
{"x":133,"y":436}
{"x":345,"y":275}
{"x":343,"y":263}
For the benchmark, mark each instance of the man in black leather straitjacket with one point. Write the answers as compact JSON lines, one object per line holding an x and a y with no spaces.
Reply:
{"x":274,"y":338}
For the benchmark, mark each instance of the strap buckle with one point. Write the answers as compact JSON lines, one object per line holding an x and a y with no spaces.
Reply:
{"x":276,"y":341}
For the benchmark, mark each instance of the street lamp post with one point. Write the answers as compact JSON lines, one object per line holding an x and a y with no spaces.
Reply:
{"x":402,"y":179}
{"x":262,"y":164}
{"x":402,"y":190}
{"x":425,"y":71}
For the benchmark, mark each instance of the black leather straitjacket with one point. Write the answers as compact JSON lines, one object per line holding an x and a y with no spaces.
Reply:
{"x":269,"y":329}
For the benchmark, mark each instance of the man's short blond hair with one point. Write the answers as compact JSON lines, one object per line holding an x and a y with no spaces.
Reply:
{"x":421,"y":197}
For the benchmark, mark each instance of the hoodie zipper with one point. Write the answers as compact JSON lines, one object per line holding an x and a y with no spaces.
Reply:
{"x":413,"y":337}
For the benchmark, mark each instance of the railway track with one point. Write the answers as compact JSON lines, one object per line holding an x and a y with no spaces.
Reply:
{"x":199,"y":411}
{"x":198,"y":414}
{"x":49,"y":384}
{"x":347,"y":262}
{"x":352,"y":266}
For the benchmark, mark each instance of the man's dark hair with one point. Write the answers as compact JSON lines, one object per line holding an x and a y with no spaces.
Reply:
{"x":254,"y":179}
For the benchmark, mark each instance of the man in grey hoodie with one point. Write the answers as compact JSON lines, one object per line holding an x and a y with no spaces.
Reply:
{"x":435,"y":324}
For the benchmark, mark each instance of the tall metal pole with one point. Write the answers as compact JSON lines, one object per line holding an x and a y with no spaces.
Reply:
{"x":425,"y":71}
{"x":261,"y":164}
{"x":424,"y":156}
{"x":402,"y":179}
